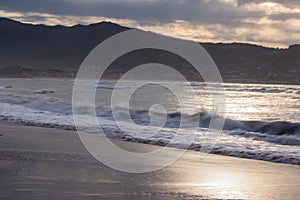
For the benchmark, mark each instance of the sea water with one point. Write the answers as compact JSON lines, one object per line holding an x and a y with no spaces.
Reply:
{"x":261,"y":121}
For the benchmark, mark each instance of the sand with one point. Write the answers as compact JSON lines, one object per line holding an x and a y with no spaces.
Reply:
{"x":43,"y":163}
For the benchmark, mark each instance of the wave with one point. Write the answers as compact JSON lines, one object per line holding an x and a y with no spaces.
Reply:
{"x":142,"y":117}
{"x":5,"y":87}
{"x":278,"y":132}
{"x":228,"y":87}
{"x":273,"y":153}
{"x":107,"y":86}
{"x":44,"y":91}
{"x":277,"y":141}
{"x":251,"y":145}
{"x":273,"y":128}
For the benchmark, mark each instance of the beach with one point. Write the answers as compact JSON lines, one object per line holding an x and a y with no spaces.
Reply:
{"x":150,"y":100}
{"x":39,"y":163}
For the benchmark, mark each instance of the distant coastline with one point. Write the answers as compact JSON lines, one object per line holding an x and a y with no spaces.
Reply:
{"x":20,"y":72}
{"x":29,"y":51}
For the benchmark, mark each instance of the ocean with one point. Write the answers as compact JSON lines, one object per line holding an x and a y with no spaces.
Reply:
{"x":261,"y":121}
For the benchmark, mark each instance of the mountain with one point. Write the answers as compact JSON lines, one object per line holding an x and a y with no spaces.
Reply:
{"x":39,"y":50}
{"x":251,"y":63}
{"x":50,"y":47}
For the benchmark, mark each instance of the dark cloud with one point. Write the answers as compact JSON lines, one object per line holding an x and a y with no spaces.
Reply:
{"x":284,"y":16}
{"x":194,"y":11}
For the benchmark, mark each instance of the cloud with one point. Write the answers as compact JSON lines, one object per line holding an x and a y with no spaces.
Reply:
{"x":164,"y":11}
{"x":200,"y":11}
{"x":256,"y":21}
{"x":287,"y":3}
{"x":284,"y":16}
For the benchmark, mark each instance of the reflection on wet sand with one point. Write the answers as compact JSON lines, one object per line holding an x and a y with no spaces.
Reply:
{"x":39,"y":163}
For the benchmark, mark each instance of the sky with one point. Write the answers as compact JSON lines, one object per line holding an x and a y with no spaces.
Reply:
{"x":273,"y":23}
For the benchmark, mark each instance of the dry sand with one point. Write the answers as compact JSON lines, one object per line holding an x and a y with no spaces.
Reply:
{"x":43,"y":163}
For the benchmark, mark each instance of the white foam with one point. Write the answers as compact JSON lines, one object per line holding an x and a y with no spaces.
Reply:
{"x":230,"y":143}
{"x":277,"y":141}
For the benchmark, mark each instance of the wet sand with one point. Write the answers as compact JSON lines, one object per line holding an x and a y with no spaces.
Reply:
{"x":43,"y":163}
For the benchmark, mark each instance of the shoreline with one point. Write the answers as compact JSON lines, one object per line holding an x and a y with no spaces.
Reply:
{"x":137,"y":141}
{"x":40,"y":162}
